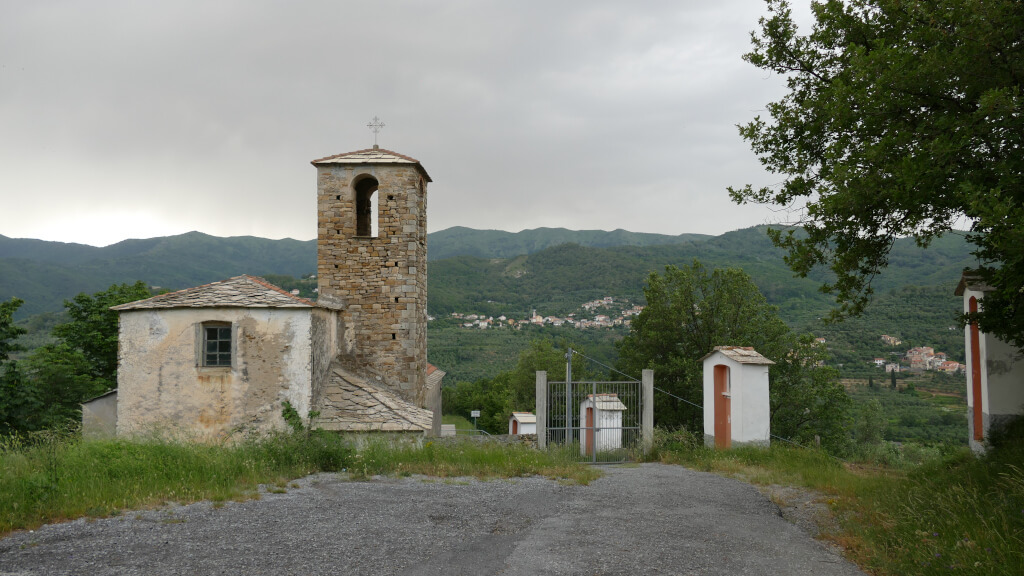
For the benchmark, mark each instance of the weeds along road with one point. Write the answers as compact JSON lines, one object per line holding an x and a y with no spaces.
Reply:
{"x":648,"y":519}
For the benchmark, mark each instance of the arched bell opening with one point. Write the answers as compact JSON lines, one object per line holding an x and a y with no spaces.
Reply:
{"x":367,"y":209}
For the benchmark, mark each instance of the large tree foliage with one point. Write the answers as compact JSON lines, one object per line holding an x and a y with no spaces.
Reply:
{"x":9,"y":332}
{"x":15,"y":404}
{"x":92,"y":328}
{"x":901,"y":119}
{"x":46,"y":388}
{"x":514,"y":390}
{"x":690,"y":311}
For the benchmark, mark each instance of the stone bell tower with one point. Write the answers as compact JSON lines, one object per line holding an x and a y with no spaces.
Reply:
{"x":372,"y":265}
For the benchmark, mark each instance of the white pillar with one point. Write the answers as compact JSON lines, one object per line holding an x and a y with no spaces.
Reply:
{"x":541,"y":409}
{"x":647,"y":420}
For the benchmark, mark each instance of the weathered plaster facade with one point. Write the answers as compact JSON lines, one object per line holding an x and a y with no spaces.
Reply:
{"x":163,"y":386}
{"x":378,"y":282}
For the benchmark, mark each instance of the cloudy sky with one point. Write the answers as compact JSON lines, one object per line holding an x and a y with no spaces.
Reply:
{"x":132,"y":119}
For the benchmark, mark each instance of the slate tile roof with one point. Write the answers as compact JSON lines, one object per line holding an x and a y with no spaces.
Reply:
{"x":372,"y":156}
{"x":606,"y":401}
{"x":741,"y":354}
{"x":352,"y":403}
{"x":240,"y":292}
{"x":971,"y":280}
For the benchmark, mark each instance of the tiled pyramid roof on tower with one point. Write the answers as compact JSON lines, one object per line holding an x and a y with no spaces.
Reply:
{"x":372,"y":156}
{"x":240,"y":292}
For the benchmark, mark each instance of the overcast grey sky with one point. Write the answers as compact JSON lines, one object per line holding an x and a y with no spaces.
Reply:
{"x":133,"y":119}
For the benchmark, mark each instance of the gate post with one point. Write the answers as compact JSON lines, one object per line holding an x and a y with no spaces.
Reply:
{"x":647,"y":419}
{"x":541,"y":409}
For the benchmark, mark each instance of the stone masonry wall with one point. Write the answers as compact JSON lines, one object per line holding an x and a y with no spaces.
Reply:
{"x":323,"y":335}
{"x":377,"y":283}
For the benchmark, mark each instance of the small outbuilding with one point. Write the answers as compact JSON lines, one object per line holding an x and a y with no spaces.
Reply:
{"x":601,"y":417}
{"x":99,"y":416}
{"x":736,"y":405}
{"x":522,"y":423}
{"x":995,"y":371}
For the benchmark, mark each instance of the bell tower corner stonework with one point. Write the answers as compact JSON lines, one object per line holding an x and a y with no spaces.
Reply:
{"x":372,"y":266}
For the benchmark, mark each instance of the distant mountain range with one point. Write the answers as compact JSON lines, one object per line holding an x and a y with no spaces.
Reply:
{"x":558,"y":279}
{"x":482,"y":270}
{"x":461,"y":241}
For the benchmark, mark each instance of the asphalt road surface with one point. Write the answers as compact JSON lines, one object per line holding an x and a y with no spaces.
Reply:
{"x":647,"y":519}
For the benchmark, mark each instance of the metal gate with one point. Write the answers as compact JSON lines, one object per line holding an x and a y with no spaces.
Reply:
{"x":601,"y":422}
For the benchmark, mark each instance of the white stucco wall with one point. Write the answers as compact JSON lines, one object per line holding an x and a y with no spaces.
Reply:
{"x":750,"y":408}
{"x":162,"y":387}
{"x":1002,"y":376}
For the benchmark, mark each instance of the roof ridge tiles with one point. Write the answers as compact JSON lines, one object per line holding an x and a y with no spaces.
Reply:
{"x":365,"y":151}
{"x":263,"y":282}
{"x":230,"y":292}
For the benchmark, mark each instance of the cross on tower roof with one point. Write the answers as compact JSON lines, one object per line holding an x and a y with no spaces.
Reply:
{"x":375,"y":125}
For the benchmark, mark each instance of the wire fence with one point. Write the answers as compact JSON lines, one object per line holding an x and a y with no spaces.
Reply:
{"x":694,"y":404}
{"x":597,"y":422}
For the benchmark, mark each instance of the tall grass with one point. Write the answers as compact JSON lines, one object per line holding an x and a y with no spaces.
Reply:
{"x":481,"y":460}
{"x":955,"y":513}
{"x":51,"y":476}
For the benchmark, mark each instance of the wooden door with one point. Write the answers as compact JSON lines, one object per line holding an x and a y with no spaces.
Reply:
{"x":723,"y":408}
{"x":515,"y":426}
{"x":979,"y":430}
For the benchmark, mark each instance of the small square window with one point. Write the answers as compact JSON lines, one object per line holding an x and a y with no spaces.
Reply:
{"x":216,"y":345}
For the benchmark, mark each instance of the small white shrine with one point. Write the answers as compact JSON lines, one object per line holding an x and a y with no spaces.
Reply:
{"x":736,"y":406}
{"x":995,"y":371}
{"x":522,"y":423}
{"x":601,"y":422}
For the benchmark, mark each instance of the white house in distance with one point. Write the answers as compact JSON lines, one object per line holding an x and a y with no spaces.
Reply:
{"x":522,"y":423}
{"x":995,"y":371}
{"x":736,"y":406}
{"x":601,"y":416}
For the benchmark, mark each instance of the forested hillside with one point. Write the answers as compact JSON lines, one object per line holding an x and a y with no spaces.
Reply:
{"x":461,"y":241}
{"x":559,"y":279}
{"x":44,"y":274}
{"x":553,"y":280}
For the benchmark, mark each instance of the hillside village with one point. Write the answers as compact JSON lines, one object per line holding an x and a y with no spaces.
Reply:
{"x":918,"y":358}
{"x":605,"y":312}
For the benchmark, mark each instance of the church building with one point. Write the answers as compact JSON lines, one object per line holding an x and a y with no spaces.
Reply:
{"x":223,"y":359}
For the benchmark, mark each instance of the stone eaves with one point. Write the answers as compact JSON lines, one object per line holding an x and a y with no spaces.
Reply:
{"x":372,"y":156}
{"x":239,"y":292}
{"x":971,"y":280}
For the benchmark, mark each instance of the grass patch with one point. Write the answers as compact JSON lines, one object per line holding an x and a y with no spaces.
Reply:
{"x":461,"y":422}
{"x":480,"y":460}
{"x":51,"y":477}
{"x":952,"y":514}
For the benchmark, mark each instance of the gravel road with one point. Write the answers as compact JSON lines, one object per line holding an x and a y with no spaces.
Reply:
{"x":647,"y":519}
